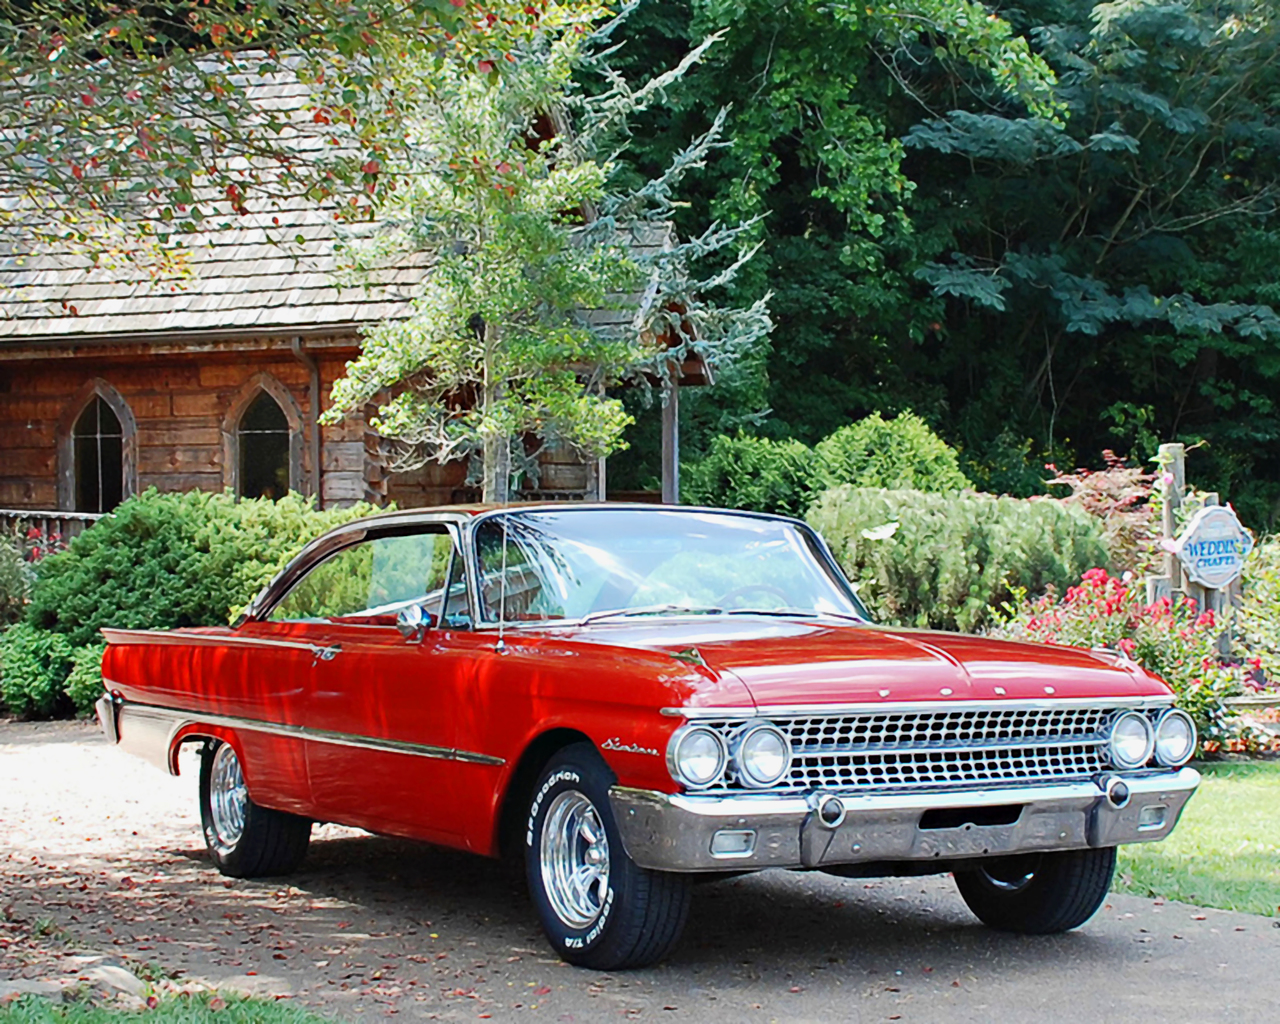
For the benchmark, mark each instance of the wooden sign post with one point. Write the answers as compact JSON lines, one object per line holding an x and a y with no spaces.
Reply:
{"x":1203,"y":561}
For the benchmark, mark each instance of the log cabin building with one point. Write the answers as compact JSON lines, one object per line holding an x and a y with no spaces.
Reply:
{"x":111,"y":383}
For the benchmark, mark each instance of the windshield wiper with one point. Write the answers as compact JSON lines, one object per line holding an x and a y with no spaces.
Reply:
{"x":794,"y":613}
{"x":651,"y":609}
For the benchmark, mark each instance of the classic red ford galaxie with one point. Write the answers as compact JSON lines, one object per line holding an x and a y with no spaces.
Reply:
{"x":628,"y":696}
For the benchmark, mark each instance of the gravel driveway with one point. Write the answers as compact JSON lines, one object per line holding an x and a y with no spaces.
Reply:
{"x":102,"y":852}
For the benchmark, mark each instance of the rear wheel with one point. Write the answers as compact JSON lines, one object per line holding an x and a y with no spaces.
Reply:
{"x":599,"y":908}
{"x":1039,"y":893}
{"x":245,"y":840}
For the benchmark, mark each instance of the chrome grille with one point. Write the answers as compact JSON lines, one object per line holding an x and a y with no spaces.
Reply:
{"x":938,"y":749}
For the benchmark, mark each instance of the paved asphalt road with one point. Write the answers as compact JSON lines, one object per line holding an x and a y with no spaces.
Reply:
{"x":108,"y":848}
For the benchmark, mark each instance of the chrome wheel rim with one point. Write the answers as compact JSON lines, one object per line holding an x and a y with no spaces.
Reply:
{"x":575,"y":860}
{"x":228,"y":799}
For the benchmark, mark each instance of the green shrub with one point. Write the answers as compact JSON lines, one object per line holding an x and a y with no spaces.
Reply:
{"x":754,"y":473}
{"x":900,"y":453}
{"x":947,"y":561}
{"x":1258,"y":624}
{"x":167,"y":560}
{"x":84,"y":685}
{"x":15,"y":580}
{"x":34,"y":665}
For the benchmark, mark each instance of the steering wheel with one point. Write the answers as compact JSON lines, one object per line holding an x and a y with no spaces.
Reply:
{"x":764,"y":588}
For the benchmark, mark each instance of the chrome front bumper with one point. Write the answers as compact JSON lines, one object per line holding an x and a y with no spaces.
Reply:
{"x":691,"y":832}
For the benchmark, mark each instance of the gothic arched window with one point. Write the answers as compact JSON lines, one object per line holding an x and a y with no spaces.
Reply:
{"x":97,"y":454}
{"x":263,"y":443}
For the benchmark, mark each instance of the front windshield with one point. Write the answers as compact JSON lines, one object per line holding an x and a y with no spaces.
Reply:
{"x":539,"y":566}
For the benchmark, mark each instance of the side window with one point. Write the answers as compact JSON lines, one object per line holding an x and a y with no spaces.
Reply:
{"x":518,"y":575}
{"x":375,"y":579}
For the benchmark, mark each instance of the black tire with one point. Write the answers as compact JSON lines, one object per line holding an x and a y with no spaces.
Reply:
{"x":628,"y":916}
{"x":268,"y":843}
{"x":1039,"y":893}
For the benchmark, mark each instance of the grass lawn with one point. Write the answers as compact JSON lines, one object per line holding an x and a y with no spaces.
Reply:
{"x":1225,"y":851}
{"x":172,"y":1010}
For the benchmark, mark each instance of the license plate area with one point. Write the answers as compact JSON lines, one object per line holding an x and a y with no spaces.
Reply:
{"x":959,"y":817}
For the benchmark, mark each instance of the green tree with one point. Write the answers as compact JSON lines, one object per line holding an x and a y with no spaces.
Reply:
{"x":506,"y":188}
{"x":814,"y":91}
{"x":122,"y":126}
{"x":1110,"y":281}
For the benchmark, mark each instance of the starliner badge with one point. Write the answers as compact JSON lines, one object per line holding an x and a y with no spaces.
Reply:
{"x":630,"y":748}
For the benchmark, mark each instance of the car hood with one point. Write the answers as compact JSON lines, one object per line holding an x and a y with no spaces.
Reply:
{"x":788,"y":661}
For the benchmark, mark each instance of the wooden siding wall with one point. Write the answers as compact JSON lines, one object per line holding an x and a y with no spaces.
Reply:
{"x":180,"y":402}
{"x":562,"y":477}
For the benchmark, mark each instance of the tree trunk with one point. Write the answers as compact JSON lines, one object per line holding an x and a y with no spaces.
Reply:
{"x":497,"y":448}
{"x":497,"y":469}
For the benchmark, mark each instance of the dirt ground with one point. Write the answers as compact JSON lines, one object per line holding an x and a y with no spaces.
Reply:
{"x":101,"y":861}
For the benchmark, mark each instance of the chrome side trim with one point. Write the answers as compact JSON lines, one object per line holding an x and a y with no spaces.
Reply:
{"x":176,"y":719}
{"x":167,"y":636}
{"x":898,"y":707}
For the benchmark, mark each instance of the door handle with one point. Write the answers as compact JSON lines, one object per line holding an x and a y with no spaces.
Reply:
{"x":326,"y":653}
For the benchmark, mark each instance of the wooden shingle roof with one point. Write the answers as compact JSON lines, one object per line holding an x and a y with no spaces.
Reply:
{"x":269,"y":269}
{"x":239,"y":279}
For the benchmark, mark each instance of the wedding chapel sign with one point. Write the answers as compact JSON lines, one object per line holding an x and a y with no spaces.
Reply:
{"x":1213,"y":546}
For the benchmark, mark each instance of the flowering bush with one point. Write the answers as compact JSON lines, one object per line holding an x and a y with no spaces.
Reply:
{"x":1173,"y":639}
{"x":15,"y":580}
{"x":1121,"y":498}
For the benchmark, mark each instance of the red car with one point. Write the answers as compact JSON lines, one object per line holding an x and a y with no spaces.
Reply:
{"x":630,"y":696}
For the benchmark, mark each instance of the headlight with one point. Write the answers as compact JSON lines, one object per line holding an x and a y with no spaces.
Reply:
{"x":1132,"y":740}
{"x":1175,"y":738}
{"x":697,"y":756}
{"x":762,"y":755}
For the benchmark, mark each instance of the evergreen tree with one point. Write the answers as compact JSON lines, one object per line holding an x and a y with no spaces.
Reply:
{"x":506,"y":186}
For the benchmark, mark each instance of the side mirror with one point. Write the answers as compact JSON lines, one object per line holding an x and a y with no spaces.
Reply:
{"x":413,"y":622}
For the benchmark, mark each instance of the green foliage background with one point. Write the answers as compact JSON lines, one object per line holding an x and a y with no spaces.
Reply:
{"x":34,"y":664}
{"x":947,"y":561}
{"x":755,"y":473}
{"x":785,"y":477}
{"x":901,"y":453}
{"x":1036,"y":289}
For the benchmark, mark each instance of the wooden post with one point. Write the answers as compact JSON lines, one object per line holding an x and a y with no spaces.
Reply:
{"x":1173,"y":460}
{"x":671,"y":437}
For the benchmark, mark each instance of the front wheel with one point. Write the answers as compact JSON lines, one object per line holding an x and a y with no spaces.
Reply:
{"x":598,"y":908}
{"x":1039,"y":893}
{"x":245,"y":840}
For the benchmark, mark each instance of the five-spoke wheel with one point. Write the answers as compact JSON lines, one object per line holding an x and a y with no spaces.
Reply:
{"x":575,"y":860}
{"x":597,"y":906}
{"x":228,"y":798}
{"x":244,"y":839}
